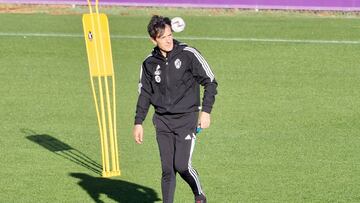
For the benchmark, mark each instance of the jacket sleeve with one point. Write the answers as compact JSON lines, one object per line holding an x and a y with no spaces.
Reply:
{"x":144,"y":98}
{"x":205,"y":77}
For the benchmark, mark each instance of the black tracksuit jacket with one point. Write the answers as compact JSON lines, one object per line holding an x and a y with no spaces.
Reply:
{"x":172,"y":84}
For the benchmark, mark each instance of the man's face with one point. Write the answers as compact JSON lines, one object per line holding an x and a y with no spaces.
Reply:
{"x":165,"y":41}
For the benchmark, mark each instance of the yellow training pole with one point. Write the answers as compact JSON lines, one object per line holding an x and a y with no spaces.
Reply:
{"x":110,"y":119}
{"x":98,"y":47}
{"x":101,"y":122}
{"x":102,"y":105}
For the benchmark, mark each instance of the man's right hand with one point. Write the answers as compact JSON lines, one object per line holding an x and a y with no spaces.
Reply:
{"x":138,"y":133}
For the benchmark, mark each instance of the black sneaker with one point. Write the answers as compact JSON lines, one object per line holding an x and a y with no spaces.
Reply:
{"x":200,"y":199}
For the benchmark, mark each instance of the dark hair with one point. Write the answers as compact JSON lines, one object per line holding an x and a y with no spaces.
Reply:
{"x":157,"y":25}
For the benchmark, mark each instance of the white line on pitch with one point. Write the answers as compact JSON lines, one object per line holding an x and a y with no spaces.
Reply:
{"x":13,"y":34}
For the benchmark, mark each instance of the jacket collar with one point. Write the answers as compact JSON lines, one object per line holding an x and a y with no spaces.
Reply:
{"x":176,"y":49}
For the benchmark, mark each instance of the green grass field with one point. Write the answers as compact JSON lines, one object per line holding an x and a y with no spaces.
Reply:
{"x":285,"y":126}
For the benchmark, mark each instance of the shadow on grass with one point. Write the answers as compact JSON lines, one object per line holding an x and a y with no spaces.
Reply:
{"x":117,"y":190}
{"x":62,"y":149}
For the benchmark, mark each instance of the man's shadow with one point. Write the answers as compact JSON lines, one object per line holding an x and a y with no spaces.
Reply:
{"x":119,"y":190}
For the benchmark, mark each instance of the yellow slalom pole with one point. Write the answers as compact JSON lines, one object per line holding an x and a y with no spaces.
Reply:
{"x":106,"y":113}
{"x":116,"y":161}
{"x":115,"y":132}
{"x":107,"y":94}
{"x":99,"y":116}
{"x":102,"y":104}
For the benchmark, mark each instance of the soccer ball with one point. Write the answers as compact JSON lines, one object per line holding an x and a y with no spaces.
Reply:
{"x":177,"y":24}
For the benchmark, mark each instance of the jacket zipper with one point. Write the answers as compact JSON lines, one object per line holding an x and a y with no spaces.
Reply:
{"x":167,"y":83}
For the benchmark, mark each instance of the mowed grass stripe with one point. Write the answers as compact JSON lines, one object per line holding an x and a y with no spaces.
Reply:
{"x":5,"y":34}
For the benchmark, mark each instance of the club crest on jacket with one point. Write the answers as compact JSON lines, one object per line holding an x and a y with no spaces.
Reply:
{"x":177,"y":63}
{"x":157,"y":71}
{"x":157,"y":74}
{"x":157,"y":79}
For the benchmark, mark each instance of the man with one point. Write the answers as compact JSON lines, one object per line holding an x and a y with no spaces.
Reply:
{"x":170,"y":79}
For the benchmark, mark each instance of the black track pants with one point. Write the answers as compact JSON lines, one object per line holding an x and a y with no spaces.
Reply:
{"x":175,"y":135}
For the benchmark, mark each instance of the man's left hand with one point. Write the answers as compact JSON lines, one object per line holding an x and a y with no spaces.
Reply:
{"x":204,"y":120}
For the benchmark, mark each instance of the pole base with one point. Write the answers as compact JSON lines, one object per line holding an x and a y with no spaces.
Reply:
{"x":107,"y":174}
